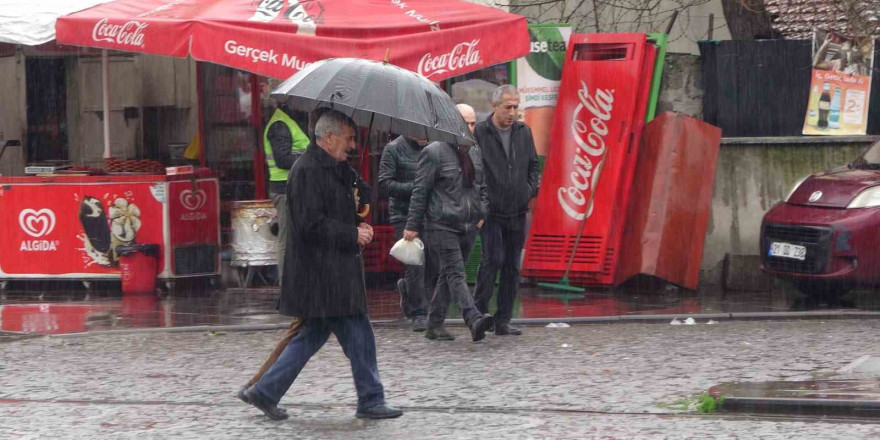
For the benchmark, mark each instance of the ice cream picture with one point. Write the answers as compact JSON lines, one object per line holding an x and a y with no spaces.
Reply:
{"x":102,"y":234}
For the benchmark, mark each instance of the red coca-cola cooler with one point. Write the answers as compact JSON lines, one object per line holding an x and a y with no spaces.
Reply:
{"x":589,"y":167}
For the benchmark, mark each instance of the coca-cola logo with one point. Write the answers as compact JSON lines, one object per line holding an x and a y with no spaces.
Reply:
{"x":193,"y":200}
{"x":306,"y":14}
{"x":590,"y":151}
{"x":462,"y":55}
{"x":126,"y":34}
{"x":36,"y":223}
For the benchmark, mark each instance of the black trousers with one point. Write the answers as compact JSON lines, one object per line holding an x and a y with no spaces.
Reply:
{"x":416,"y":301}
{"x":502,"y":243}
{"x":445,"y":277}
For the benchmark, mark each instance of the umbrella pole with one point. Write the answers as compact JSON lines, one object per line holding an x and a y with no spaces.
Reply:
{"x":105,"y":87}
{"x":367,"y":143}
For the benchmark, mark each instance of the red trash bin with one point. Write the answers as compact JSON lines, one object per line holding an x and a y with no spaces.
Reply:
{"x":138,"y":263}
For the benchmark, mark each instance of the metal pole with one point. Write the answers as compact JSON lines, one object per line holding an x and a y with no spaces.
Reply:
{"x":711,"y":25}
{"x":105,"y":86}
{"x":671,"y":21}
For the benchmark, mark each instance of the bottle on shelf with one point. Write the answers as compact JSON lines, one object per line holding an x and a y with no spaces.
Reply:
{"x":824,"y":106}
{"x":834,"y":111}
{"x":813,"y":107}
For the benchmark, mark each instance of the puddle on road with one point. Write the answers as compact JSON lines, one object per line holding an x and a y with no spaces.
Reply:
{"x":848,"y":389}
{"x":72,"y":311}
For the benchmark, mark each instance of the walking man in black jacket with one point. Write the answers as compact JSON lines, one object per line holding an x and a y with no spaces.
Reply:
{"x":323,"y":282}
{"x":512,"y":173}
{"x":448,"y":206}
{"x":397,"y":171}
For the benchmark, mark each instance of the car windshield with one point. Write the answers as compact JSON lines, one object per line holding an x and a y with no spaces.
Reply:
{"x":870,"y":159}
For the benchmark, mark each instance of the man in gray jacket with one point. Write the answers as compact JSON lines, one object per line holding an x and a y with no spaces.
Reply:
{"x":397,"y":171}
{"x":448,"y":206}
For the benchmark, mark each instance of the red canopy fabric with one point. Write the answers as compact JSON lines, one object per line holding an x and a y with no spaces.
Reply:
{"x":277,"y":38}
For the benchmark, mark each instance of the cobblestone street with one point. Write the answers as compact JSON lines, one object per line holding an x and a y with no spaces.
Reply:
{"x":620,"y":381}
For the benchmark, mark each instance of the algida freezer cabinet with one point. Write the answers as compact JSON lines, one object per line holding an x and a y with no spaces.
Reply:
{"x":69,"y":227}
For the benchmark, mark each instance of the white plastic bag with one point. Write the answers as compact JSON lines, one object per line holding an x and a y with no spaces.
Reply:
{"x":409,"y":252}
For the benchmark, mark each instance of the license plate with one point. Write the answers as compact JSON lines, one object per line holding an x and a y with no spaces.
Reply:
{"x":788,"y":250}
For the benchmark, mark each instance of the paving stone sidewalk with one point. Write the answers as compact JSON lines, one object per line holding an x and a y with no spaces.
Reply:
{"x":587,"y":381}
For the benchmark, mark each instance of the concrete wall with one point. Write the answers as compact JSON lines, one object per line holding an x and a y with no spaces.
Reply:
{"x":753,"y":174}
{"x":682,"y":87}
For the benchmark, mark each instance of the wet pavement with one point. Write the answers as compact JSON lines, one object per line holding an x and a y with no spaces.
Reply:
{"x":69,"y":311}
{"x":621,"y":380}
{"x":852,"y":391}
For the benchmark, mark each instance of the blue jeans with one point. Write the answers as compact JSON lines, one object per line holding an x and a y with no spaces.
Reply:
{"x":355,"y":335}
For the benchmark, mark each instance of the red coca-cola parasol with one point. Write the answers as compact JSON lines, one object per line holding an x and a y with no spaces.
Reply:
{"x":277,"y":38}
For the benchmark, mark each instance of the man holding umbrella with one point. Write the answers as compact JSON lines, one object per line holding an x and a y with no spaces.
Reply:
{"x":363,"y":198}
{"x":323,"y":281}
{"x":370,"y":92}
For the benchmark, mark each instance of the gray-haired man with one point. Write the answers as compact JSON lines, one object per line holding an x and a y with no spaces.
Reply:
{"x":323,"y":282}
{"x":512,"y":173}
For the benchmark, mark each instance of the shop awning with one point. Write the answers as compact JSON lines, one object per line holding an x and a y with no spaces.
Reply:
{"x":276,"y":38}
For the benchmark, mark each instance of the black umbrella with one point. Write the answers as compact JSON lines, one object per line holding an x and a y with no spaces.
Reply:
{"x":378,"y":95}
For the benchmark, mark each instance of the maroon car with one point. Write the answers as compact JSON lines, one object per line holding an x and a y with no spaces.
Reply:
{"x":825,"y":236}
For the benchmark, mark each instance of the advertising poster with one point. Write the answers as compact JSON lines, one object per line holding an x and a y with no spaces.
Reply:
{"x":538,"y":76}
{"x":75,"y":229}
{"x":840,"y":86}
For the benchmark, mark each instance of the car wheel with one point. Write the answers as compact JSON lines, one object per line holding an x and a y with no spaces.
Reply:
{"x":823,"y":292}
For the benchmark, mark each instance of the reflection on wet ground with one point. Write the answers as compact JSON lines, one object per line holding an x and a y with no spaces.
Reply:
{"x":850,"y":389}
{"x":66,"y":310}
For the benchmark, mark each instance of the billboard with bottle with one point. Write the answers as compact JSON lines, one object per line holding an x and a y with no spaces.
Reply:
{"x":840,"y":85}
{"x":537,"y":77}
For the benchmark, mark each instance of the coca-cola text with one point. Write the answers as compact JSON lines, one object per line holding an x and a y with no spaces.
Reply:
{"x":462,"y":55}
{"x":590,"y":152}
{"x":127,"y":34}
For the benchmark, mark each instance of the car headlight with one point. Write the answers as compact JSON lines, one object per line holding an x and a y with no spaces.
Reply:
{"x":795,"y":187}
{"x":868,"y":198}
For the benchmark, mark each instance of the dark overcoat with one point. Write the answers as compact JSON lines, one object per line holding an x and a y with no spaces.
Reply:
{"x":323,"y":267}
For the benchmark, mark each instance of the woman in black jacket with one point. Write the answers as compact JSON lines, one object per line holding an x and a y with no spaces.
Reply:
{"x":448,"y":206}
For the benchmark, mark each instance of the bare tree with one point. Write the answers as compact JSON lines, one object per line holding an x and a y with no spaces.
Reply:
{"x":862,"y":16}
{"x":605,"y":15}
{"x":748,"y":19}
{"x":797,"y":19}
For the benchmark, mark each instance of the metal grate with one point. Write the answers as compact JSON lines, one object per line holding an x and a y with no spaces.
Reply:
{"x":799,"y":234}
{"x":816,"y":239}
{"x":556,"y":249}
{"x":195,"y":259}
